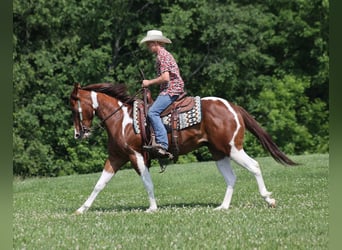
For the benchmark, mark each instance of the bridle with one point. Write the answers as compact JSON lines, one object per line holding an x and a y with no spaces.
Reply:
{"x":83,"y":128}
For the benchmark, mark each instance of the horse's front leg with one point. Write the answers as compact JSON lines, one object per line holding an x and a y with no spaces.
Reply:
{"x":106,"y":176}
{"x":138,"y":161}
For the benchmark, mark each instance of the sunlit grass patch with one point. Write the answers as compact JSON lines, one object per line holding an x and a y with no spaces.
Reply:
{"x":187,"y":194}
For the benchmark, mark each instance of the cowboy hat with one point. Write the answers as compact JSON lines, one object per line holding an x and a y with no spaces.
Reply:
{"x":155,"y":36}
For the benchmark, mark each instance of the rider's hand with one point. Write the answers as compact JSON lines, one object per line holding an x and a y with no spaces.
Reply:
{"x":145,"y":83}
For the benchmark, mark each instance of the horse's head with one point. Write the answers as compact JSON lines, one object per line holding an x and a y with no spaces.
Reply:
{"x":82,"y":111}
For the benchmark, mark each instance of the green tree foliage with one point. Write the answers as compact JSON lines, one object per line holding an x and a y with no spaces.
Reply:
{"x":271,"y":57}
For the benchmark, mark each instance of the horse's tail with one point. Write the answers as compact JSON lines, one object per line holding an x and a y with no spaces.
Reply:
{"x":264,"y":138}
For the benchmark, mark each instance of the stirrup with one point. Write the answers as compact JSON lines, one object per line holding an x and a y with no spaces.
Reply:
{"x":158,"y":151}
{"x":155,"y":148}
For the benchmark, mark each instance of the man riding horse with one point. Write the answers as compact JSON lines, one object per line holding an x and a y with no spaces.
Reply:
{"x":171,"y":87}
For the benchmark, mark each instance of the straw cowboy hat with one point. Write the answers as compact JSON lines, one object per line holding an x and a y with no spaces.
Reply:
{"x":155,"y":36}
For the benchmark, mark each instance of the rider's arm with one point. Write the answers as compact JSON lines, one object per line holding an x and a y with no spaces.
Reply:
{"x":163,"y":78}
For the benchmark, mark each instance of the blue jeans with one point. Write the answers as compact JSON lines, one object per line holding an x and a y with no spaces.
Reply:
{"x":159,"y":105}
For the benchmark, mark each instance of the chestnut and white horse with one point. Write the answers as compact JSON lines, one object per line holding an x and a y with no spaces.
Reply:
{"x":221,"y":129}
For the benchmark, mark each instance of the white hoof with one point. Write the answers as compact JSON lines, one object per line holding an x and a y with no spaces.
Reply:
{"x":271,"y":202}
{"x":219,"y":208}
{"x":151,"y":210}
{"x":77,"y":212}
{"x":81,"y":210}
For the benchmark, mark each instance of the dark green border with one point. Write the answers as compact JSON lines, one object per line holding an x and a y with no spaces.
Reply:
{"x":6,"y":63}
{"x":335,"y":98}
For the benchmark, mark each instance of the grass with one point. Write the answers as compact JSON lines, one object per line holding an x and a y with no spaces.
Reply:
{"x":186,"y":195}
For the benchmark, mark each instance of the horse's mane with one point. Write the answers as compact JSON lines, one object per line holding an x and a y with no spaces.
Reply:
{"x":118,"y":91}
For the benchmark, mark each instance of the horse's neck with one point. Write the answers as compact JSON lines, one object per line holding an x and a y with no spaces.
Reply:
{"x":108,"y":107}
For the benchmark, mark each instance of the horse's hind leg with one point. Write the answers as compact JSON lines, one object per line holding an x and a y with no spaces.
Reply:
{"x":106,"y":176}
{"x":226,"y":170}
{"x":240,"y":157}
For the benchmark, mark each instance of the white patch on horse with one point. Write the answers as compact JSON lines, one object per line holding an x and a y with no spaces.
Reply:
{"x":226,"y":170}
{"x":230,"y":108}
{"x":140,"y":162}
{"x":147,"y":181}
{"x":95,"y":103}
{"x":100,"y":185}
{"x":126,"y":118}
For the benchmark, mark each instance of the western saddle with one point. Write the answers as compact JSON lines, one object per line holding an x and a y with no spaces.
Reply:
{"x":182,"y":104}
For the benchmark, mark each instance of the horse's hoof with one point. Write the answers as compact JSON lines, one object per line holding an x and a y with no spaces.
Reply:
{"x":162,"y":169}
{"x":77,"y":212}
{"x":220,"y":208}
{"x":272,"y":203}
{"x":151,"y":210}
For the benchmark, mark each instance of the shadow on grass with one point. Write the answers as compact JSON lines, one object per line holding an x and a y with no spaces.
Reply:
{"x":119,"y":209}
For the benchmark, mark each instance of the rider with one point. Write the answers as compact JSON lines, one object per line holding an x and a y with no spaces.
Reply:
{"x":171,"y":86}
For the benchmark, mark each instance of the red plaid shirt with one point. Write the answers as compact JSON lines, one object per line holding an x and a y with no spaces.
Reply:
{"x":166,"y":62}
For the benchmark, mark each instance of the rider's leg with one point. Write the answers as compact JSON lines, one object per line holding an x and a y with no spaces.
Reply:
{"x":159,"y":105}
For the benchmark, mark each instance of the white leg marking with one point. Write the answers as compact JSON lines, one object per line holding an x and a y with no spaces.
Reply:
{"x":101,"y":183}
{"x":126,"y":118}
{"x":240,"y":157}
{"x":226,"y":170}
{"x":147,"y":180}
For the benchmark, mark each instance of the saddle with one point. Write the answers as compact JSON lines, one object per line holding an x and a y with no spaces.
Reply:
{"x":182,"y":107}
{"x":182,"y":104}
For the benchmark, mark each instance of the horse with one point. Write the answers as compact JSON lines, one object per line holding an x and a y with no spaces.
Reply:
{"x":221,"y":129}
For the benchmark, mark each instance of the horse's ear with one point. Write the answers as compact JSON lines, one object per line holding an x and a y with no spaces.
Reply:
{"x":77,"y":85}
{"x":75,"y":90}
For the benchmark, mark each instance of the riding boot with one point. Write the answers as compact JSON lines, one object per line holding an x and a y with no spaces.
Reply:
{"x":157,"y":149}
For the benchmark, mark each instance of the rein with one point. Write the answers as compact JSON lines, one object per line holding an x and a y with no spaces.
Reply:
{"x":85,"y":129}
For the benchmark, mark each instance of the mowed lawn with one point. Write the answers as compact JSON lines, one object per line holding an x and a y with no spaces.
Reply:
{"x":43,"y":210}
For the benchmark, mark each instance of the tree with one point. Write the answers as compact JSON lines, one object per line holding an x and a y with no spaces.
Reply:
{"x":271,"y":57}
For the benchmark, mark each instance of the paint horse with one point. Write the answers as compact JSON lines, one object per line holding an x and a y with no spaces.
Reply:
{"x":221,"y":129}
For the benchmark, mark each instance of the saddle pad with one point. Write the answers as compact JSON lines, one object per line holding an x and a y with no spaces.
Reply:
{"x":186,"y":119}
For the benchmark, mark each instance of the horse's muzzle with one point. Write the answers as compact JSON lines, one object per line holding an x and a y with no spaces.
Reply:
{"x":82,"y":134}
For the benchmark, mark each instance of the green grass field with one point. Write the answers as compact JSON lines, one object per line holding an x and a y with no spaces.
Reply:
{"x":186,"y":194}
